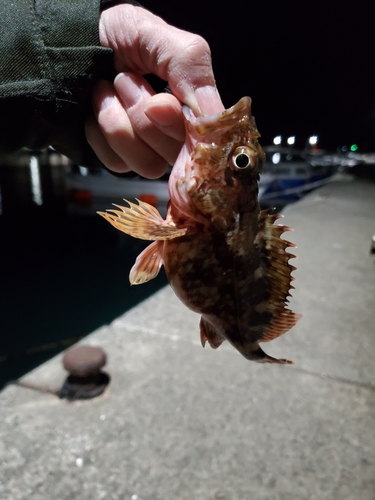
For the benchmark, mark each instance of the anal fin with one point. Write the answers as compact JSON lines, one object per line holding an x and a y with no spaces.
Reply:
{"x":209,"y":334}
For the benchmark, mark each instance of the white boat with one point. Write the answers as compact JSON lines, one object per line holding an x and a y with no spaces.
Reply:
{"x":91,"y":190}
{"x":287,"y":176}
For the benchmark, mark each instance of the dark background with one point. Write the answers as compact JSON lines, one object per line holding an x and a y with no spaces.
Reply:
{"x":62,"y":277}
{"x":308,"y":66}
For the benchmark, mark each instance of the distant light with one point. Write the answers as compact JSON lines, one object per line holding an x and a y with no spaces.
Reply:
{"x":291,"y":140}
{"x":354,"y":147}
{"x":84,"y":171}
{"x":36,"y":188}
{"x":276,"y":158}
{"x":277,"y":140}
{"x":313,"y":140}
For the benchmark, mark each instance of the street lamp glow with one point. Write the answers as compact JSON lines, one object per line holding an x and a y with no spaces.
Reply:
{"x":313,"y":140}
{"x":276,"y":157}
{"x":291,"y":140}
{"x":277,"y":140}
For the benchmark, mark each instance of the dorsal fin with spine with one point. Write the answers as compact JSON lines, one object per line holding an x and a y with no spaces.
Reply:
{"x":279,"y":273}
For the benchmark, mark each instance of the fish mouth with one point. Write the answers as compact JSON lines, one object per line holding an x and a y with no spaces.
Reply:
{"x":206,"y":124}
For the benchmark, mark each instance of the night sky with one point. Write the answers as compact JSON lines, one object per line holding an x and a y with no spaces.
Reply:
{"x":309,"y":67}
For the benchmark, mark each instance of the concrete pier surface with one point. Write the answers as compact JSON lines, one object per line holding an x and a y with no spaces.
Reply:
{"x":179,"y":422}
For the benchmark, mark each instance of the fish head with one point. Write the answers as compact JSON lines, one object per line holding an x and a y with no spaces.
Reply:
{"x":216,"y":174}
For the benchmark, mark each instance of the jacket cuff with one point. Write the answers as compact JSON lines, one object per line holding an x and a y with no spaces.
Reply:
{"x":51,"y":58}
{"x":106,"y":4}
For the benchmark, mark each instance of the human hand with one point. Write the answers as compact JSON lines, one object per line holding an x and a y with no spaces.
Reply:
{"x":134,"y":128}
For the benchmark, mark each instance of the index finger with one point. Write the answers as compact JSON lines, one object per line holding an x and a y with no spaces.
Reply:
{"x":144,"y":43}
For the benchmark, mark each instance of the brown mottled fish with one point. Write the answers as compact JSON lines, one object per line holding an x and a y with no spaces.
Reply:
{"x":223,"y":257}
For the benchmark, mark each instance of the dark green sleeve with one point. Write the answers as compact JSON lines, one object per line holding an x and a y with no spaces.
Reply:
{"x":49,"y":60}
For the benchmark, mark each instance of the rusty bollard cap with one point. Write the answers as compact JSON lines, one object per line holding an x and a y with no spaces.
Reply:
{"x":84,"y":360}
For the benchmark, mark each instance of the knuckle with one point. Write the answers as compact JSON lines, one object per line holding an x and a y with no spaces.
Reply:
{"x":197,"y":47}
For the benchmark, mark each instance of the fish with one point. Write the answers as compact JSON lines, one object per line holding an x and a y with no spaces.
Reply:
{"x":223,"y":256}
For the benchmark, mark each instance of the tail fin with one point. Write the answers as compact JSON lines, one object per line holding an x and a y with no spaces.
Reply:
{"x":261,"y":357}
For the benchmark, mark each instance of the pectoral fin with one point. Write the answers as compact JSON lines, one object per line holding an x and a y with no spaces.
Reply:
{"x":142,"y":221}
{"x":147,"y":264}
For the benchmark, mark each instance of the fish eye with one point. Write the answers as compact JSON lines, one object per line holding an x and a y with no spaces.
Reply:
{"x":243,"y":158}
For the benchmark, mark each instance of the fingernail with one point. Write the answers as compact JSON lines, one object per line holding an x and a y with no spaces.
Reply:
{"x":107,"y":101}
{"x":209,"y":100}
{"x":192,"y":103}
{"x":127,"y":89}
{"x":103,"y":96}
